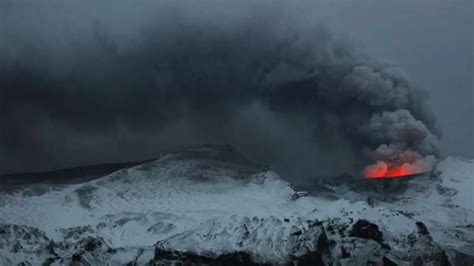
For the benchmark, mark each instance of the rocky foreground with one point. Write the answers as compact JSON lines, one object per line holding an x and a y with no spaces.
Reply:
{"x":209,"y":205}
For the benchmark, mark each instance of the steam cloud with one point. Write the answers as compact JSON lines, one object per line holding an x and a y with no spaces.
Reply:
{"x":130,"y":81}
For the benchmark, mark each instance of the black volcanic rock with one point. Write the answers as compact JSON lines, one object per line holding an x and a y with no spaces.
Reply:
{"x":167,"y":257}
{"x":388,"y":262}
{"x":367,"y":230}
{"x":422,"y":230}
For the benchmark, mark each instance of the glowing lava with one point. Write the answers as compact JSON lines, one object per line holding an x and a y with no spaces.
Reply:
{"x":384,"y":170}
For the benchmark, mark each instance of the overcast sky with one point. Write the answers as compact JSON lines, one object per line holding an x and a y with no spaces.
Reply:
{"x":432,"y":40}
{"x":99,"y":100}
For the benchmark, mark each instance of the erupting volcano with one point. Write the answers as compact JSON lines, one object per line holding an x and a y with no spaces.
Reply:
{"x":405,"y":146}
{"x":384,"y":170}
{"x":396,"y":168}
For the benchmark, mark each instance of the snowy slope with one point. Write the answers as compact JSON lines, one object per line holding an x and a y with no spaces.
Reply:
{"x":208,"y":203}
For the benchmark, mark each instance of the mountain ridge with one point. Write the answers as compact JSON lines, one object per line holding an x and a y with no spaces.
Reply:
{"x":208,"y":205}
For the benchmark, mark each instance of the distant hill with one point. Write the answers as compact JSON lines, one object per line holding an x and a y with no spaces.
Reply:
{"x":63,"y":176}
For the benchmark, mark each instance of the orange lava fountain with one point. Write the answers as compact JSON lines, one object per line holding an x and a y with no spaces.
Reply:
{"x":384,"y":170}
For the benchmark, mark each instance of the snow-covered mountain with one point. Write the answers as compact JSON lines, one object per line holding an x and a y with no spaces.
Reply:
{"x":209,"y":205}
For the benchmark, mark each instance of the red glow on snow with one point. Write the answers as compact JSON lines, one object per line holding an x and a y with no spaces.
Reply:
{"x":384,"y":170}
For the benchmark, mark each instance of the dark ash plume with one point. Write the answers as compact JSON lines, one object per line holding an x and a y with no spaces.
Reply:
{"x":127,"y":83}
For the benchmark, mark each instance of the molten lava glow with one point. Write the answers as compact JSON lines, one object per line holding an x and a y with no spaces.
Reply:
{"x":384,"y":170}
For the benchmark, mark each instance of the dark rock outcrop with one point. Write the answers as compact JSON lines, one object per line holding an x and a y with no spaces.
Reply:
{"x":167,"y":257}
{"x":367,"y":230}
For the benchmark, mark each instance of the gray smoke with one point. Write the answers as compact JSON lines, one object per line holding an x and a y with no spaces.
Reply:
{"x":129,"y":81}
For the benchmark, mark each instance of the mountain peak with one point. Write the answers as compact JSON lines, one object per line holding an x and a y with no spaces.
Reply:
{"x":209,"y":204}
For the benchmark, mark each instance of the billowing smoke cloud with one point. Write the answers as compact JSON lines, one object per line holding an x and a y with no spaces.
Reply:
{"x":126,"y":82}
{"x":411,"y":146}
{"x":402,"y":131}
